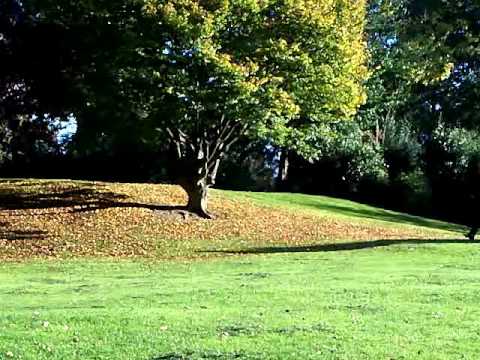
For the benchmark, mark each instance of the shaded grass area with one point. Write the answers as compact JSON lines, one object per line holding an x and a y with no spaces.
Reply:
{"x":74,"y":196}
{"x":405,"y":301}
{"x":328,"y":206}
{"x":344,"y":246}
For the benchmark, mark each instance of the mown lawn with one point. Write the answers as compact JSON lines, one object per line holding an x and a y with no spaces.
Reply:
{"x":411,"y":300}
{"x":341,"y":209}
{"x":108,"y":271}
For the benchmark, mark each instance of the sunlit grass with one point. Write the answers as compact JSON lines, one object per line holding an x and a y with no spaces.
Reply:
{"x":288,"y":276}
{"x":395,"y":302}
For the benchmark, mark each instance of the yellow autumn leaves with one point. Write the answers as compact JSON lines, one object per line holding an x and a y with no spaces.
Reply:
{"x":62,"y":219}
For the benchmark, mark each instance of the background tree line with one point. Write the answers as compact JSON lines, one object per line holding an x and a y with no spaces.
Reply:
{"x":414,"y":140}
{"x":408,"y":146}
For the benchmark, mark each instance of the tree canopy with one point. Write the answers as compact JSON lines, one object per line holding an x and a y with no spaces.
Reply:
{"x":203,"y":73}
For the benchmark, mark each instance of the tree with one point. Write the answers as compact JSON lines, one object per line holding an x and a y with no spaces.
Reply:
{"x":204,"y":73}
{"x":435,"y":73}
{"x":423,"y":56}
{"x":212,"y":71}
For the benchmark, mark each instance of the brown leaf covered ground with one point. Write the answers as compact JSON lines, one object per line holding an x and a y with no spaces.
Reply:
{"x":72,"y":219}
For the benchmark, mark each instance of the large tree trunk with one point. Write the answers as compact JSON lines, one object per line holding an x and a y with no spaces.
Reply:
{"x":196,"y":158}
{"x":196,"y":172}
{"x":197,"y":192}
{"x":195,"y":176}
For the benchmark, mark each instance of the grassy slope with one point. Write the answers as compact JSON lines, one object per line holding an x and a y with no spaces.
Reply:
{"x":340,"y":208}
{"x":415,"y":298}
{"x":63,"y":219}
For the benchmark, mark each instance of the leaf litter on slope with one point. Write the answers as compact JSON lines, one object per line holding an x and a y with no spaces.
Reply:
{"x":52,"y":219}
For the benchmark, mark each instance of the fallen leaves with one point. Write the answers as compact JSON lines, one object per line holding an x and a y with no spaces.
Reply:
{"x":67,"y":218}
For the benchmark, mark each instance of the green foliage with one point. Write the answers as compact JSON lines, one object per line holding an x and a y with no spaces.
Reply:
{"x":452,"y":151}
{"x":421,"y":115}
{"x":425,"y":37}
{"x":36,"y":76}
{"x":275,"y":70}
{"x":444,"y":32}
{"x":361,"y":157}
{"x":200,"y":74}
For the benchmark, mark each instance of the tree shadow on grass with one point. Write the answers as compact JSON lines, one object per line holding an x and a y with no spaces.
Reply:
{"x":15,"y":235}
{"x":348,"y":246}
{"x":23,"y":235}
{"x":81,"y":198}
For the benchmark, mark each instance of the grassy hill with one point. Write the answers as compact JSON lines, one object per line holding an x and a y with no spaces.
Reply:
{"x":112,"y":271}
{"x":61,"y":219}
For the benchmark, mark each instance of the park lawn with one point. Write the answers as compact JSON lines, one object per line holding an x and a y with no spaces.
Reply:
{"x":98,"y":271}
{"x":397,"y":301}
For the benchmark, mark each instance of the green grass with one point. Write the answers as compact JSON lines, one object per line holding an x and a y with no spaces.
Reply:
{"x":340,"y":208}
{"x":393,"y":302}
{"x":384,"y":299}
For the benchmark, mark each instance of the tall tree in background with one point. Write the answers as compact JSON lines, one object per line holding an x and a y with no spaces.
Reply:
{"x":450,"y":107}
{"x":424,"y":65}
{"x":425,"y":76}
